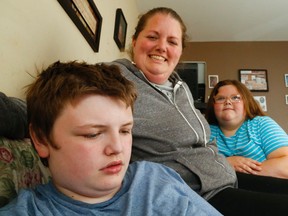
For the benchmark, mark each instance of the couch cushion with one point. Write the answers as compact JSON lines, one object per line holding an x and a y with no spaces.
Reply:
{"x":13,"y":117}
{"x":20,"y":167}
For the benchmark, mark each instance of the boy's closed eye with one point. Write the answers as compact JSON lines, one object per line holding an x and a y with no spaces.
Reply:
{"x":126,"y":131}
{"x":92,"y":135}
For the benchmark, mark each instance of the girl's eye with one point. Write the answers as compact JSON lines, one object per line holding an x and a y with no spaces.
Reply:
{"x":236,"y":97}
{"x":220,"y":98}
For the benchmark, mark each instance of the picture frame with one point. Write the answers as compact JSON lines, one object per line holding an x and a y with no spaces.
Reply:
{"x":261,"y":100}
{"x":256,"y":80}
{"x":120,"y":29}
{"x":286,"y":79}
{"x":286,"y":99}
{"x":87,"y":18}
{"x":212,"y":80}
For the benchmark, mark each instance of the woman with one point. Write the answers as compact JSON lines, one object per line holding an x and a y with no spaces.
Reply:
{"x":169,"y":130}
{"x":252,"y":142}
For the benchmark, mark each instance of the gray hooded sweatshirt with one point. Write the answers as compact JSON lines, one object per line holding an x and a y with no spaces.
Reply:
{"x":174,"y":133}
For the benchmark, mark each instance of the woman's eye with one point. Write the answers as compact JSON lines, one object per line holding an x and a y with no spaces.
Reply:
{"x":173,"y":42}
{"x":152,"y":37}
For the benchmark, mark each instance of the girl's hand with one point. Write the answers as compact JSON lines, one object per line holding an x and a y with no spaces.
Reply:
{"x":244,"y":165}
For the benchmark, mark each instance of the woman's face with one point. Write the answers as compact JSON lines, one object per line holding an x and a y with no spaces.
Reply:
{"x":158,"y":48}
{"x":231,"y":112}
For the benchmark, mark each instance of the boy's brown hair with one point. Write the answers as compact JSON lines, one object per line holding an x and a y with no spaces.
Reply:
{"x":61,"y":83}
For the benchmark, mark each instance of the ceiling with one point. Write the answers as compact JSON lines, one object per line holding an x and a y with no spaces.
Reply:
{"x":229,"y":20}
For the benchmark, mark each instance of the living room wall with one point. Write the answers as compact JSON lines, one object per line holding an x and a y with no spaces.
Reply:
{"x":36,"y":33}
{"x":226,"y":58}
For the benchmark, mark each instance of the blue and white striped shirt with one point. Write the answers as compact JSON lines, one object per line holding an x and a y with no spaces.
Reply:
{"x":255,"y":139}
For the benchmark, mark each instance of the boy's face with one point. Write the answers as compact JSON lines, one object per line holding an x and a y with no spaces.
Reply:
{"x":94,"y":139}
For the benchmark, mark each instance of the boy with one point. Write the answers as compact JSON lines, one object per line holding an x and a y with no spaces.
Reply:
{"x":80,"y":122}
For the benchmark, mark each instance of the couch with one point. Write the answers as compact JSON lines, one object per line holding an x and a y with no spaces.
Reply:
{"x":20,"y":165}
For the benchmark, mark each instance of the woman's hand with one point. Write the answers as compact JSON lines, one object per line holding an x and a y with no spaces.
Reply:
{"x":244,"y":165}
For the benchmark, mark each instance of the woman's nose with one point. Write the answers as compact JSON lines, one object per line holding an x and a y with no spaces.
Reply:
{"x":161,"y":46}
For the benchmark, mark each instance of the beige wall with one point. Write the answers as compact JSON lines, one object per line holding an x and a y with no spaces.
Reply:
{"x":226,"y":58}
{"x":35,"y":33}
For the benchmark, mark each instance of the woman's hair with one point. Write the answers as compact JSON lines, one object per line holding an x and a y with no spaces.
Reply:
{"x":251,"y":107}
{"x":142,"y":22}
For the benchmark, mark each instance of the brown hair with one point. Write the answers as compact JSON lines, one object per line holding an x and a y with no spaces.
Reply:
{"x":142,"y":22}
{"x":61,"y":83}
{"x":251,"y":107}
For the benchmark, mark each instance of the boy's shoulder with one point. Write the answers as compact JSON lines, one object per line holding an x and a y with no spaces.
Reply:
{"x":27,"y":199}
{"x":156,"y":171}
{"x":150,"y":166}
{"x":20,"y":205}
{"x":157,"y":185}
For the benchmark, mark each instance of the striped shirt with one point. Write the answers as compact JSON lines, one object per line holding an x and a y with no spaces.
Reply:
{"x":255,"y":139}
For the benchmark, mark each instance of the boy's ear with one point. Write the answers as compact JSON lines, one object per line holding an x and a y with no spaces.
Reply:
{"x":40,"y":144}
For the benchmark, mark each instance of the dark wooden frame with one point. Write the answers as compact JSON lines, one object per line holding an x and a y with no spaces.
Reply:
{"x":255,"y":80}
{"x":120,"y":29}
{"x":87,"y":18}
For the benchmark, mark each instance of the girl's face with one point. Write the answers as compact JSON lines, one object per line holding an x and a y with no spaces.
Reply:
{"x":158,"y":48}
{"x":229,"y":107}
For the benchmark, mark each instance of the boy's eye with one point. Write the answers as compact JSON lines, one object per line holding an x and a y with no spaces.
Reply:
{"x":128,"y":131}
{"x":93,"y":135}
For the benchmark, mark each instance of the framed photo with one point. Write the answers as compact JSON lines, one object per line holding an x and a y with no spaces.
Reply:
{"x":212,"y":80}
{"x":86,"y":17}
{"x":120,"y":29}
{"x":261,"y":100}
{"x":286,"y":99}
{"x":286,"y":80}
{"x":254,"y":79}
